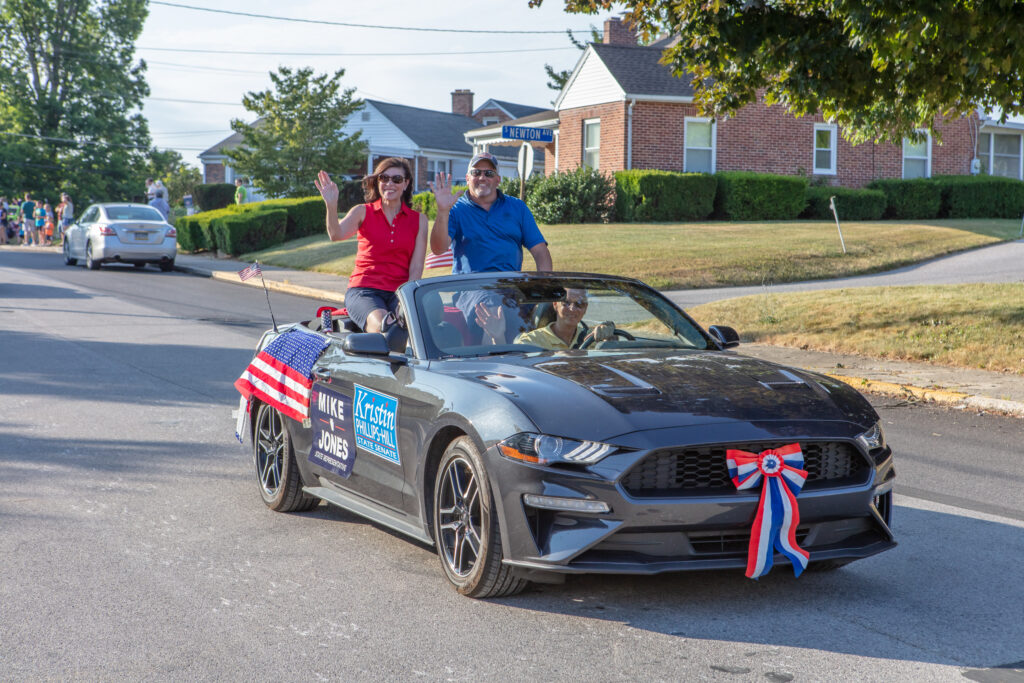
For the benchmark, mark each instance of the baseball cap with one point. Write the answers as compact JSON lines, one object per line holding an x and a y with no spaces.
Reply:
{"x":483,"y":156}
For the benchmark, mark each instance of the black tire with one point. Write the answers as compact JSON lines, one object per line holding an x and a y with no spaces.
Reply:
{"x":139,"y":264}
{"x":466,"y":526}
{"x":90,"y":262}
{"x":166,"y":266}
{"x":68,"y":261}
{"x":279,"y":480}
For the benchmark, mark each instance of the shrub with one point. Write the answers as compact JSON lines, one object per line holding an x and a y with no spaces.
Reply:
{"x":852,"y":205}
{"x":424,"y":202}
{"x":241,"y":233}
{"x":746,"y":196}
{"x":981,"y":196}
{"x":305,"y":214}
{"x":510,"y":186}
{"x":189,"y":235}
{"x":211,"y":196}
{"x":663,"y":196}
{"x":195,"y":233}
{"x":581,"y":196}
{"x":918,"y":198}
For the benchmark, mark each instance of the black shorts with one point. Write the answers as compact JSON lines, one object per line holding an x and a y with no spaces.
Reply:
{"x":361,"y":301}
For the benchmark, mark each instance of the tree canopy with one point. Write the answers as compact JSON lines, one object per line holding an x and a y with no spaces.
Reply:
{"x":297,"y":132}
{"x":70,"y":98}
{"x":880,"y":69}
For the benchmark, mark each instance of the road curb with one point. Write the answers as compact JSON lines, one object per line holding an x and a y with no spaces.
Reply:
{"x":273,"y":285}
{"x":937,"y":395}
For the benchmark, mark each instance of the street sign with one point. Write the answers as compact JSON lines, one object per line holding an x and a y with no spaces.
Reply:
{"x":525,"y":161}
{"x":528,"y":134}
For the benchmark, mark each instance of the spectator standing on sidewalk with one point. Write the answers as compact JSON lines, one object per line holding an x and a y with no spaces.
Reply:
{"x":65,"y":213}
{"x":38,"y":223}
{"x":28,"y":208}
{"x":241,"y":194}
{"x":392,"y":240}
{"x":3,"y":221}
{"x":48,"y":224}
{"x":487,"y":231}
{"x":159,"y":200}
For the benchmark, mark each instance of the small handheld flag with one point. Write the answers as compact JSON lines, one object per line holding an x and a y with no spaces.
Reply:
{"x":250,"y":271}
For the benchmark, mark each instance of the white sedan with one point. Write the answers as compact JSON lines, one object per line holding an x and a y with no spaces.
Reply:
{"x":121,"y":233}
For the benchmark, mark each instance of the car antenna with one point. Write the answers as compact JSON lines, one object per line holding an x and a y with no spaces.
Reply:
{"x":252,"y":270}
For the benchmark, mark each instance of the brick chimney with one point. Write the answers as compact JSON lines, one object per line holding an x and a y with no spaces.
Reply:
{"x":617,"y":32}
{"x":462,"y":102}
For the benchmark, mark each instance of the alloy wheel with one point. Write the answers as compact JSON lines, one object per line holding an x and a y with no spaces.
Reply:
{"x":460,"y":514}
{"x":270,"y":450}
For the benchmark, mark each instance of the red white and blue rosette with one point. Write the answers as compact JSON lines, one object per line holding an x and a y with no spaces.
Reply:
{"x":780,"y":474}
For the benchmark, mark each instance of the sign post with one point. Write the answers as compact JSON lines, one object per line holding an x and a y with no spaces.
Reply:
{"x":525,"y":167}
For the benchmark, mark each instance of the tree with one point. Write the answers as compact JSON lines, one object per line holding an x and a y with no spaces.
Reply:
{"x":168,"y":166}
{"x":182,"y":181}
{"x":70,"y":97}
{"x":879,"y":69}
{"x":297,"y":132}
{"x":558,"y":79}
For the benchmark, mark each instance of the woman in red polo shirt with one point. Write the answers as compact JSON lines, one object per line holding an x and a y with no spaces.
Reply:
{"x":392,"y":240}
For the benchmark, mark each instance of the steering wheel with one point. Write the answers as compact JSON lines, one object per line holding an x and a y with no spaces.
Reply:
{"x":615,"y":332}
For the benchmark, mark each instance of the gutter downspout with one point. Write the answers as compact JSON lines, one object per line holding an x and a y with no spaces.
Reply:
{"x":629,"y":135}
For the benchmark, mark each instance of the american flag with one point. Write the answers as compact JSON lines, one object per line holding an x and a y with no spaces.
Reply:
{"x":281,"y":374}
{"x":252,"y":270}
{"x":445,"y":260}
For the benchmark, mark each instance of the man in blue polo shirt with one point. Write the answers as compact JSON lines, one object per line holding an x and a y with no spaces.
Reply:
{"x":486,"y":230}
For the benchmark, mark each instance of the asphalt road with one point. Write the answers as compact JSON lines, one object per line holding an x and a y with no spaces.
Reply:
{"x":134,"y":544}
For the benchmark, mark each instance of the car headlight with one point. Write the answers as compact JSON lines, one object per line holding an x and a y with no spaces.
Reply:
{"x":872,"y":439}
{"x":542,"y":449}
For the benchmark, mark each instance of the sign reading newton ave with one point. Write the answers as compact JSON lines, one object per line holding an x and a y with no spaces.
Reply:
{"x":527,"y":134}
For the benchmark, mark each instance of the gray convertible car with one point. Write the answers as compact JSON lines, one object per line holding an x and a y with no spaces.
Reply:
{"x":530,"y":426}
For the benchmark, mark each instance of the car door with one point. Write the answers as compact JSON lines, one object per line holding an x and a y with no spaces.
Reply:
{"x":77,"y":232}
{"x":386,"y":413}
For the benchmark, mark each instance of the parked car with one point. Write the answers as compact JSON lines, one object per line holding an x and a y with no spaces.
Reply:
{"x":121,"y":233}
{"x":520,"y":463}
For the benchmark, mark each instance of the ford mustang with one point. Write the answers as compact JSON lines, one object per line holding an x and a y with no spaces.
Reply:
{"x":534,"y":425}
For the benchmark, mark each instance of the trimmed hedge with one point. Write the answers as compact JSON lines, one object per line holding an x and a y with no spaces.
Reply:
{"x":195,"y":233}
{"x":980,"y":196}
{"x":852,"y":205}
{"x":212,"y":196}
{"x":584,"y":195}
{"x":747,"y":196}
{"x":663,"y":195}
{"x":919,"y":198}
{"x":241,"y":233}
{"x":305,"y":214}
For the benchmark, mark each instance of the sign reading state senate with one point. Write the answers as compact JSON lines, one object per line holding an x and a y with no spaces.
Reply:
{"x":376,"y":423}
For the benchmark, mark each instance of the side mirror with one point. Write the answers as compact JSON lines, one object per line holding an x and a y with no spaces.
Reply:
{"x":369,"y":344}
{"x":726,"y":337}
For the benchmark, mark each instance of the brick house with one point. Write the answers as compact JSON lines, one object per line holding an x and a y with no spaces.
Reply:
{"x":622,"y":109}
{"x":430,"y":140}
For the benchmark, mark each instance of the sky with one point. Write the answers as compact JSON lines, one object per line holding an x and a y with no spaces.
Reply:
{"x":194,"y":95}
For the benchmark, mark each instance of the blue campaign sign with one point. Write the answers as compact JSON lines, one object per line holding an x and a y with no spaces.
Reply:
{"x":376,"y":423}
{"x":330,"y":414}
{"x":527,"y":134}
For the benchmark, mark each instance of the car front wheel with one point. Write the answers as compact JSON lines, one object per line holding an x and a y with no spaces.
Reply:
{"x":276,"y":470}
{"x":90,"y":262}
{"x":68,"y":260}
{"x":466,"y":526}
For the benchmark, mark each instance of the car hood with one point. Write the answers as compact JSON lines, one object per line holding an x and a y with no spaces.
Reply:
{"x":599,"y":395}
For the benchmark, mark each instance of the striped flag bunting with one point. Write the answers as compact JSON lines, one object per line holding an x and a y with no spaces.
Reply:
{"x":252,"y":270}
{"x":282,"y":374}
{"x":780,"y":474}
{"x":445,"y":260}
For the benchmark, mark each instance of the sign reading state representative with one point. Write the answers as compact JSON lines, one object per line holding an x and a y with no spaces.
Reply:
{"x":330,"y":414}
{"x":376,"y":423}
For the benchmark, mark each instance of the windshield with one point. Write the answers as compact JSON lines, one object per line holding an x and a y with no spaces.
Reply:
{"x":512,"y":315}
{"x":133,"y":213}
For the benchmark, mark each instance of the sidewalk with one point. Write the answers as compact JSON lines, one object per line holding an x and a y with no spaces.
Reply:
{"x":959,"y":388}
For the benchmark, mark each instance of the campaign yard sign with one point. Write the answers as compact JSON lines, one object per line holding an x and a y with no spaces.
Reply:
{"x":330,"y":414}
{"x":376,"y":423}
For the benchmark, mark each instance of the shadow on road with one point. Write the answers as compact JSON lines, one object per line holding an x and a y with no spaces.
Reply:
{"x":16,"y":291}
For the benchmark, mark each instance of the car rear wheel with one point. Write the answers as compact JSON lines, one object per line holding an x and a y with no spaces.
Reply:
{"x":90,"y":262}
{"x":167,"y":265}
{"x":276,"y":470}
{"x":68,"y":261}
{"x":466,"y":526}
{"x":139,"y":264}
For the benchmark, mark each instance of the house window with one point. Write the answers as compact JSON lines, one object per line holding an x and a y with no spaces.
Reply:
{"x":435,"y":166}
{"x":366,"y":116}
{"x":917,"y":157}
{"x":490,"y":120}
{"x":825,"y":148}
{"x":698,"y":145}
{"x":1000,"y":154}
{"x":591,"y":142}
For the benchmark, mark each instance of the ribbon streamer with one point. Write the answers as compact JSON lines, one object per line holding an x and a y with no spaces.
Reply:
{"x":781,"y":471}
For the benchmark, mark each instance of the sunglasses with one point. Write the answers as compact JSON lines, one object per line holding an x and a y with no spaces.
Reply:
{"x":577,"y":304}
{"x":396,"y":179}
{"x":485,"y":172}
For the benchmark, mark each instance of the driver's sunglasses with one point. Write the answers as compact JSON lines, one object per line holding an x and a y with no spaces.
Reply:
{"x":577,"y":303}
{"x":485,"y":172}
{"x":396,"y":179}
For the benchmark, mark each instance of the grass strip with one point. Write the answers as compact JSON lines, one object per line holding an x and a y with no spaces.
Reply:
{"x":965,"y":326}
{"x":688,"y":255}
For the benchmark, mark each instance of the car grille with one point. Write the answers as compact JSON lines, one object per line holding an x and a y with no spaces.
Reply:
{"x":731,"y":542}
{"x":701,"y":470}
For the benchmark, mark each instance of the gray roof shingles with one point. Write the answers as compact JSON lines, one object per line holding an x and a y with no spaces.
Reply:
{"x":639,"y":72}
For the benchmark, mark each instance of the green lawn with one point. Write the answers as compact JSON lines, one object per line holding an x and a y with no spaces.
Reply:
{"x":968,"y":326}
{"x":677,"y":256}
